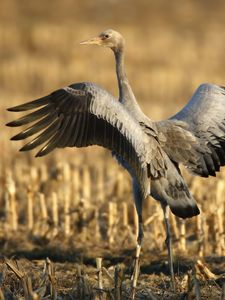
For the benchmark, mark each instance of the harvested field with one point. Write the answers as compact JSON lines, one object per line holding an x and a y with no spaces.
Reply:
{"x":67,"y":221}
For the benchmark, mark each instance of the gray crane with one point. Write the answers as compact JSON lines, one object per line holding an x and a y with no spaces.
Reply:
{"x":84,"y":114}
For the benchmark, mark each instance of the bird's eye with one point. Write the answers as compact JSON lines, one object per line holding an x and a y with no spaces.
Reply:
{"x":106,"y":36}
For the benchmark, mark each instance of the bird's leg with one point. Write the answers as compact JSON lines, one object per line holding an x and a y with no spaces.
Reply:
{"x":138,"y":199}
{"x":137,"y":256}
{"x":169,"y":244}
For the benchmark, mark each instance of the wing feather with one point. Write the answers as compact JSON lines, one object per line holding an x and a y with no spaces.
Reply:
{"x":31,"y":117}
{"x":56,"y":139}
{"x":83,"y":114}
{"x":43,"y":123}
{"x":30,"y":105}
{"x":43,"y":137}
{"x":205,"y":116}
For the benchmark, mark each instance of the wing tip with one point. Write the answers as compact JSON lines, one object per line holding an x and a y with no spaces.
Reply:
{"x":12,"y":124}
{"x":10,"y":109}
{"x":23,"y":149}
{"x":39,"y":153}
{"x":15,"y":138}
{"x":26,"y":147}
{"x":16,"y":108}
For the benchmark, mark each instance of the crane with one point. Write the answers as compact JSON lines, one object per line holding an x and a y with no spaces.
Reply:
{"x":84,"y":114}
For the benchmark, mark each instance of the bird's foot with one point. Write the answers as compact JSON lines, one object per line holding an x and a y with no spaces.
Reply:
{"x":170,"y":261}
{"x":135,"y":275}
{"x":172,"y":279}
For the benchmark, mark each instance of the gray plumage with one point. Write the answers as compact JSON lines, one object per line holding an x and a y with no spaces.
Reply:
{"x":205,"y":118}
{"x":84,"y":114}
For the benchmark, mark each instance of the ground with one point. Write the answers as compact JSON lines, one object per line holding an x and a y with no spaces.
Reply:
{"x":70,"y":272}
{"x":76,"y":205}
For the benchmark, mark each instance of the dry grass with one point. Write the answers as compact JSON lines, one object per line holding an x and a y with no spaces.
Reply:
{"x":76,"y":204}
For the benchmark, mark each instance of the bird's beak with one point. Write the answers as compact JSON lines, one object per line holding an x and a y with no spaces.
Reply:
{"x":93,"y":41}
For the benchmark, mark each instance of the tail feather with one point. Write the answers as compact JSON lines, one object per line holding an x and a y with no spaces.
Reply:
{"x":173,"y":191}
{"x":183,"y":206}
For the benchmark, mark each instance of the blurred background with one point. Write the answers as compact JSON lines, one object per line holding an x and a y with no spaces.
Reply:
{"x":171,"y":48}
{"x":81,"y":196}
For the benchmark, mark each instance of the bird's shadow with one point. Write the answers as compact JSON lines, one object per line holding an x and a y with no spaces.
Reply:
{"x":80,"y":254}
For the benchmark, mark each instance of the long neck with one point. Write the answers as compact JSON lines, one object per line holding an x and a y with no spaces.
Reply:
{"x":126,"y":95}
{"x":120,"y":72}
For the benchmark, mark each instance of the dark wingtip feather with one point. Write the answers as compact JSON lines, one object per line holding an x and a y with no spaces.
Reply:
{"x":40,"y":154}
{"x":17,"y":108}
{"x":15,"y":138}
{"x":12,"y":124}
{"x":17,"y":123}
{"x":45,"y":150}
{"x":32,"y":116}
{"x":22,"y":107}
{"x":22,"y":135}
{"x":23,"y":149}
{"x":10,"y":109}
{"x":14,"y":109}
{"x":30,"y":105}
{"x":27,"y":147}
{"x":18,"y":137}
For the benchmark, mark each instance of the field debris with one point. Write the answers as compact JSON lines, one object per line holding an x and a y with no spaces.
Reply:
{"x":67,"y":221}
{"x":56,"y":223}
{"x":48,"y":280}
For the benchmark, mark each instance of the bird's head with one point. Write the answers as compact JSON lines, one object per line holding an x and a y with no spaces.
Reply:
{"x":108,"y":38}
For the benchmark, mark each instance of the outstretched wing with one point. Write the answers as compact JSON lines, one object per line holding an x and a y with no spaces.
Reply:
{"x":205,"y":116}
{"x":83,"y":114}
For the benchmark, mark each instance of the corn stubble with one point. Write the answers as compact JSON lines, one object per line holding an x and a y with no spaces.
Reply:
{"x":75,"y":206}
{"x":79,"y":211}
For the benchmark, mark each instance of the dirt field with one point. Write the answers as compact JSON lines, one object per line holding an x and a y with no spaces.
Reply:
{"x":75,"y":205}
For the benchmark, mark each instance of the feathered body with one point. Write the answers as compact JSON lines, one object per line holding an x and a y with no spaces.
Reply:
{"x":84,"y":114}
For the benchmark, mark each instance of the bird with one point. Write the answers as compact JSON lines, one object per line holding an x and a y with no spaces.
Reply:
{"x":84,"y":114}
